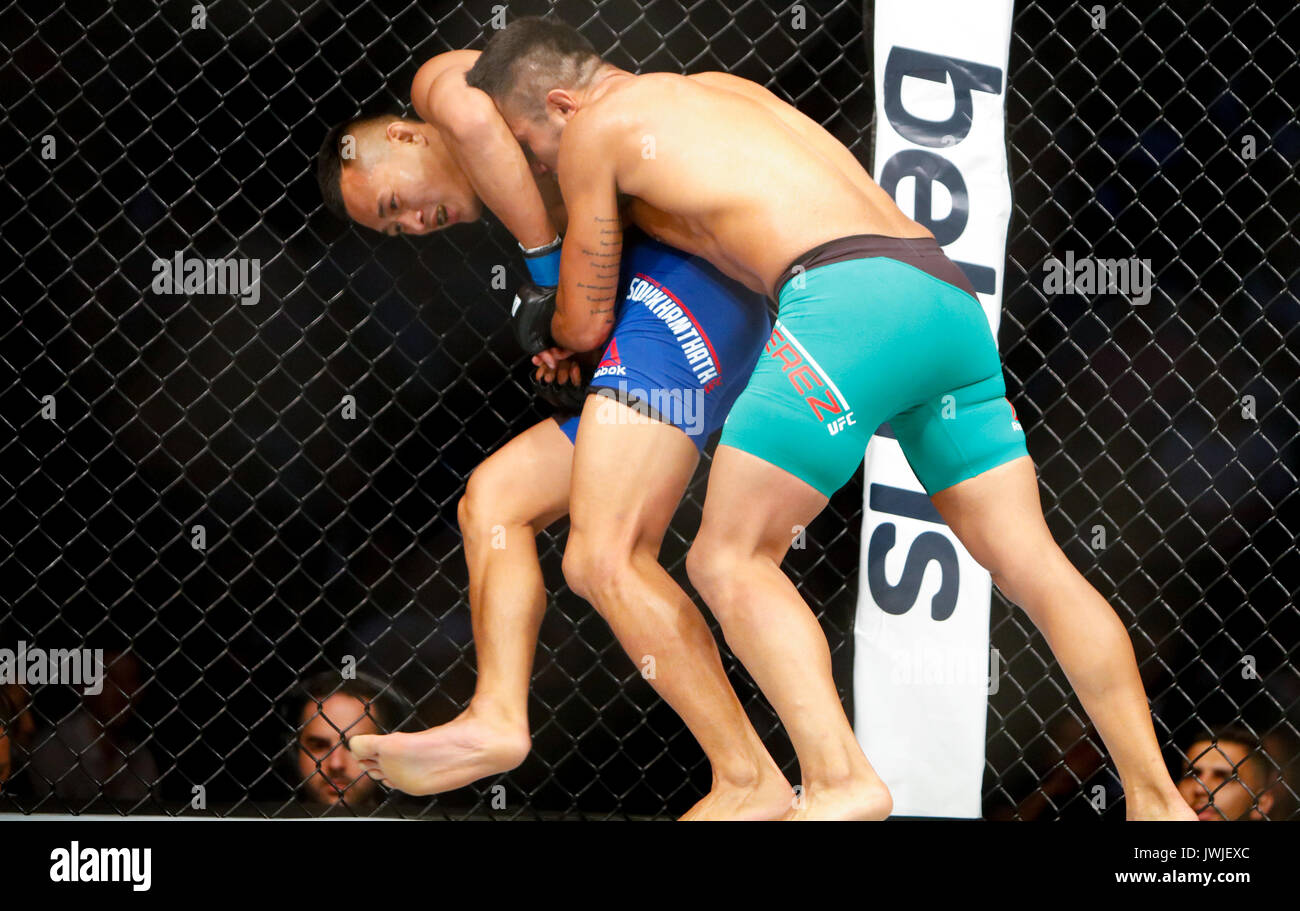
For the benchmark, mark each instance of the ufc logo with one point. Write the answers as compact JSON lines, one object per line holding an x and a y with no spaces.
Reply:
{"x":840,"y":423}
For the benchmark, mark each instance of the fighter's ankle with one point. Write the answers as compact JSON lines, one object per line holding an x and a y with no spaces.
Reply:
{"x":742,"y":776}
{"x":1152,"y":794}
{"x":498,"y":713}
{"x":841,"y":779}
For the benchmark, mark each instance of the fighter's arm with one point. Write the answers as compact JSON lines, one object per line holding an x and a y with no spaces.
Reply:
{"x":593,"y":246}
{"x":484,"y":147}
{"x":554,"y":202}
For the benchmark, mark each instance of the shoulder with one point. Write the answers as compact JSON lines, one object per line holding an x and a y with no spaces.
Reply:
{"x":439,"y":93}
{"x":644,"y":95}
{"x":635,"y":102}
{"x":730,"y":83}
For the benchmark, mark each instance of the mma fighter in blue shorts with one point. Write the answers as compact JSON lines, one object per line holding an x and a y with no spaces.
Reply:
{"x":684,"y":343}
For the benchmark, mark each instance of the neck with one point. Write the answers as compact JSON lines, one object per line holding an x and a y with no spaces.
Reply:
{"x":602,"y":81}
{"x":434,"y":137}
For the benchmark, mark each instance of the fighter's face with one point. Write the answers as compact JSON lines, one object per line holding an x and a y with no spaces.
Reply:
{"x":401,"y":183}
{"x":329,"y":771}
{"x":1220,"y":783}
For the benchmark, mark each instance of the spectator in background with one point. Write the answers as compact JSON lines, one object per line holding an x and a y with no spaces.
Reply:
{"x":1227,"y":776}
{"x":329,"y":711}
{"x":93,"y":752}
{"x":24,"y":721}
{"x":19,"y":724}
{"x":1282,"y":746}
{"x":8,"y":719}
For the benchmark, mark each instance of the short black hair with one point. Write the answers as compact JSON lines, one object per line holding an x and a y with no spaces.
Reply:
{"x":527,"y":49}
{"x":330,"y":160}
{"x":383,"y":704}
{"x":1238,"y":734}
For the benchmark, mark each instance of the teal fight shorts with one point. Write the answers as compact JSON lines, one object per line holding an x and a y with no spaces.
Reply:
{"x":873,"y":329}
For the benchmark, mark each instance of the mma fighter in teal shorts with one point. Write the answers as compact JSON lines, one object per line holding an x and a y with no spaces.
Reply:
{"x":875,"y":324}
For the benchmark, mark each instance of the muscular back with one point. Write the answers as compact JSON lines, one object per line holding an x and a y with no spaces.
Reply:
{"x":719,"y":167}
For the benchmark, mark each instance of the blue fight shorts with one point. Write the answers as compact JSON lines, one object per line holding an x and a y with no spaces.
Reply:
{"x":685,"y":340}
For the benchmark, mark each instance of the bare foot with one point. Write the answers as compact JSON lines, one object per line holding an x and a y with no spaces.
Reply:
{"x":860,"y":799}
{"x":768,"y":799}
{"x":444,"y":758}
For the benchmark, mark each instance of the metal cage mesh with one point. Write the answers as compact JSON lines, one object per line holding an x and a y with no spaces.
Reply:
{"x":131,"y":417}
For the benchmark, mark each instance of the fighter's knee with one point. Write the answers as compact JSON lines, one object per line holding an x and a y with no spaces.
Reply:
{"x":464,"y":514}
{"x":474,"y":508}
{"x":1006,"y":585}
{"x":489,"y":502}
{"x":574,"y":566}
{"x":1027,"y":578}
{"x":593,"y":569}
{"x":723,"y":573}
{"x":710,"y":565}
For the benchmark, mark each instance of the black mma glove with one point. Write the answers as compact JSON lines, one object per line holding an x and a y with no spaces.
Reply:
{"x":530,"y":318}
{"x":564,"y":396}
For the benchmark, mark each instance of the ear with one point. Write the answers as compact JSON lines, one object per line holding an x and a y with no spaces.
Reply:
{"x":561,"y":102}
{"x":405,"y":131}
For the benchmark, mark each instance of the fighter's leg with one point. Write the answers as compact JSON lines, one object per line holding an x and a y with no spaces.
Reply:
{"x":998,"y":517}
{"x":751,"y":513}
{"x":629,"y":476}
{"x":515,"y":493}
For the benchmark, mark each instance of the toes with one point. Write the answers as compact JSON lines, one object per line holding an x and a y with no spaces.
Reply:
{"x":364,"y":746}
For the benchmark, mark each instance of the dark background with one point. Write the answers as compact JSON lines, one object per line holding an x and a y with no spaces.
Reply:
{"x":329,"y":537}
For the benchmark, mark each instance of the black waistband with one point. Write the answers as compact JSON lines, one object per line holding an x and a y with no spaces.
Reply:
{"x":923,"y":253}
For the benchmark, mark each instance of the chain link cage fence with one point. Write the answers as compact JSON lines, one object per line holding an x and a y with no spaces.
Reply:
{"x":135,"y":421}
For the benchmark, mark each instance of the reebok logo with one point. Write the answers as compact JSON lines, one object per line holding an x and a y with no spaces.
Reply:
{"x":611,"y":357}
